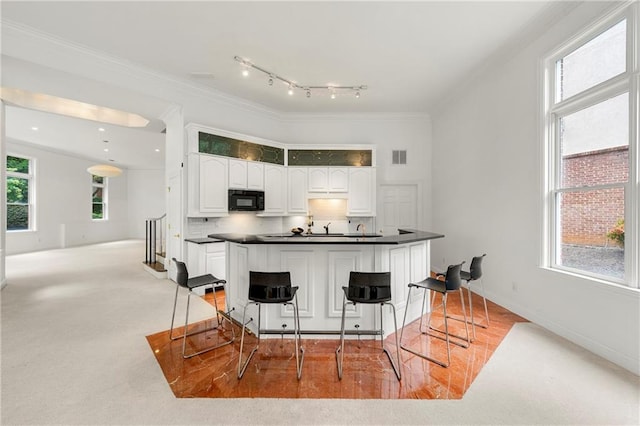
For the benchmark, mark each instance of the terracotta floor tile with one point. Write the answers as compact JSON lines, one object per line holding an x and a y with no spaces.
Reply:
{"x":367,"y":373}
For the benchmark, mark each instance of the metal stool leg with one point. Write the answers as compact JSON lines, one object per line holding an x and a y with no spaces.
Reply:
{"x":298,"y":338}
{"x":242,"y":367}
{"x":340,"y":349}
{"x":396,"y":366}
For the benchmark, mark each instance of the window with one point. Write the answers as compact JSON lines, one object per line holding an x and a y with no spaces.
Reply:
{"x":98,"y":197}
{"x":20,"y":193}
{"x":591,"y":186}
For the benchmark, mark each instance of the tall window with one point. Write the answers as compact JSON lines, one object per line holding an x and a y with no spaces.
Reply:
{"x":20,"y":193}
{"x":98,"y":197}
{"x":591,"y":112}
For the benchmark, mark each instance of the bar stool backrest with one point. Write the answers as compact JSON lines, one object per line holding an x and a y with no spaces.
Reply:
{"x":452,"y":279}
{"x":369,"y":287}
{"x":270,"y":287}
{"x":475,"y":270}
{"x":182,"y":276}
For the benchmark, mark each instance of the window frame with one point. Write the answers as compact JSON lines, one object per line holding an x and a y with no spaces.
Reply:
{"x":105,"y":191}
{"x":552,"y":112}
{"x":31,"y":203}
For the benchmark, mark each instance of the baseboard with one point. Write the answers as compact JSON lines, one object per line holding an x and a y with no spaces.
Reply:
{"x":610,"y":354}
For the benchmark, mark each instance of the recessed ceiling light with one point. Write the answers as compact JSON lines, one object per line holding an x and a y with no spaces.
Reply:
{"x":106,"y":150}
{"x":157,"y":149}
{"x":34,"y":128}
{"x":101,"y":129}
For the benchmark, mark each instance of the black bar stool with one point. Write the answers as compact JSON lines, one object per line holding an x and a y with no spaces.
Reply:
{"x":183,"y":280}
{"x":474,"y":274}
{"x":451,"y":283}
{"x":272,"y":287}
{"x":369,"y":288}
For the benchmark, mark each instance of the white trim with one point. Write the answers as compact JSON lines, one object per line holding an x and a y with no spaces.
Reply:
{"x":552,"y":111}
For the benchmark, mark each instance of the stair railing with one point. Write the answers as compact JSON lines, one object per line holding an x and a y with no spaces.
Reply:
{"x":155,"y":242}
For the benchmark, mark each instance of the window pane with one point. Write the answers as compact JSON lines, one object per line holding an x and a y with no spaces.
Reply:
{"x":600,"y":59}
{"x":97,"y":211}
{"x":592,"y":231}
{"x":17,"y":190}
{"x":594,"y":144}
{"x":97,"y":179}
{"x":17,"y":217}
{"x":17,"y":164}
{"x":97,"y":194}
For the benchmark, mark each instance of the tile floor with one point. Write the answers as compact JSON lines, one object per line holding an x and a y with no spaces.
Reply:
{"x":367,"y":372}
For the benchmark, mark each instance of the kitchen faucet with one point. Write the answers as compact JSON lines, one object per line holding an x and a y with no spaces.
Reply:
{"x":326,"y":228}
{"x":364,"y":228}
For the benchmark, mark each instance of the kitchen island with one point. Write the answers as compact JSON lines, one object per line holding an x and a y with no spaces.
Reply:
{"x":320,"y":266}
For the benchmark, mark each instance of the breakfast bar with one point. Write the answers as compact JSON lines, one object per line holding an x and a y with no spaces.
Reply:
{"x":320,"y":265}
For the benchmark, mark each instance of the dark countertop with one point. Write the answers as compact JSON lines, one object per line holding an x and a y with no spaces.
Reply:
{"x":405,"y":236}
{"x":203,"y":240}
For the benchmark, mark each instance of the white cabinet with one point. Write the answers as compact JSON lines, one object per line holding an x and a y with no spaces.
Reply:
{"x":207,"y":182}
{"x":275,"y":189}
{"x":338,"y":179}
{"x":237,"y":174}
{"x":328,"y":179}
{"x":246,"y":175}
{"x":255,"y":176}
{"x":318,"y":179}
{"x":297,"y":190}
{"x":362,"y":196}
{"x":206,"y":258}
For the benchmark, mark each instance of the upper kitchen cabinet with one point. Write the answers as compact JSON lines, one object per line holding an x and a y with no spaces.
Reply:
{"x":255,"y":176}
{"x":362,"y":191}
{"x":275,"y":190}
{"x":297,"y":190}
{"x":237,"y":174}
{"x":328,"y":179}
{"x":246,"y":175}
{"x":207,"y":183}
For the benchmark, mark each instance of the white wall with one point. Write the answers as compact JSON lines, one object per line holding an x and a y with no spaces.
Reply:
{"x":146,"y":199}
{"x":63,"y":209}
{"x":487,"y":199}
{"x":387,"y":132}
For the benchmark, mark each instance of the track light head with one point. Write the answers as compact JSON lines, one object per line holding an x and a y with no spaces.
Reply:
{"x":342,"y":90}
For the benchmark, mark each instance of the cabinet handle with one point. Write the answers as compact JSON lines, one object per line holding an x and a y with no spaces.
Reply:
{"x":177,"y":235}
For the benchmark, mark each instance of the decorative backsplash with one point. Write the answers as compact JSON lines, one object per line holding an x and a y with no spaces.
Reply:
{"x":330,"y":157}
{"x":236,"y":148}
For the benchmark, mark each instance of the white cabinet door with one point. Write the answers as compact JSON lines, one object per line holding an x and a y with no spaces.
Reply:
{"x":275,"y":189}
{"x":362,"y":197}
{"x":318,"y":179}
{"x":213,"y":184}
{"x":237,"y":174}
{"x":255,"y":176}
{"x":216,"y":265}
{"x":297,"y":190}
{"x":338,"y":179}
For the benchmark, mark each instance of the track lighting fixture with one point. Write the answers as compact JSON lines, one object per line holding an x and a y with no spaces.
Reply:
{"x":333,"y":91}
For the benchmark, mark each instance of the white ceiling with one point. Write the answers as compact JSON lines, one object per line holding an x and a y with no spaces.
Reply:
{"x":409,"y":54}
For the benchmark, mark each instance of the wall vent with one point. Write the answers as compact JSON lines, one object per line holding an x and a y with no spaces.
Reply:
{"x":399,"y":157}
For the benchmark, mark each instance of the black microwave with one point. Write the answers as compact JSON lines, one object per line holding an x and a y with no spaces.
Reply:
{"x":245,"y":201}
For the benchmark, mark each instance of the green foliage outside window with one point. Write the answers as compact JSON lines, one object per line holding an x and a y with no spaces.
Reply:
{"x":617,"y":232}
{"x":17,"y":164}
{"x":97,"y":197}
{"x":17,"y":194}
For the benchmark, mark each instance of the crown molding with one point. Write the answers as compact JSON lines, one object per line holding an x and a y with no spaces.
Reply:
{"x":32,"y":45}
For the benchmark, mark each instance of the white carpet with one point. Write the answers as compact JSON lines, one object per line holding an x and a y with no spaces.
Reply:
{"x":74,"y":351}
